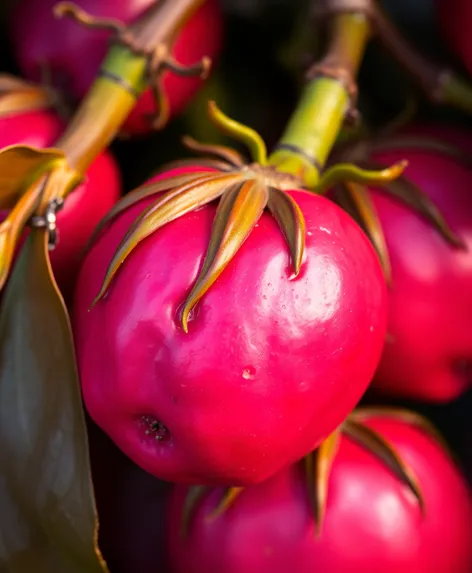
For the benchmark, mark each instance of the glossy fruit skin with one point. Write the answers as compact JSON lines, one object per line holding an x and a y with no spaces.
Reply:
{"x":429,"y":354}
{"x":86,"y":205}
{"x":270,"y":365}
{"x":38,"y":36}
{"x":454,"y":18}
{"x":131,"y":506}
{"x":373,"y":523}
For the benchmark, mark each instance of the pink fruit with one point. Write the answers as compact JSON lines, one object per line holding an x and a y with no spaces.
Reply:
{"x":271,"y":363}
{"x":373,"y":522}
{"x":84,"y":208}
{"x":131,"y":508}
{"x":74,"y":53}
{"x":428,"y":355}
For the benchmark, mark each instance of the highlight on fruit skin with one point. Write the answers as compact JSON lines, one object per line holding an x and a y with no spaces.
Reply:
{"x":379,"y":495}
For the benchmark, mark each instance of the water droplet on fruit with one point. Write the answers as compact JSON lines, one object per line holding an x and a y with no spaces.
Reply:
{"x":249,"y":373}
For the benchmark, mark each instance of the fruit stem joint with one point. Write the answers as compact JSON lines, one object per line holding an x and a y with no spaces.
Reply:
{"x":329,"y":97}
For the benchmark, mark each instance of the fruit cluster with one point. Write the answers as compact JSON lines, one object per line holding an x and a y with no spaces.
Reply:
{"x":234,"y":366}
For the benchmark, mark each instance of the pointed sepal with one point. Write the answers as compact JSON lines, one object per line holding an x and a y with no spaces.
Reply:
{"x":373,"y":442}
{"x":195,"y":495}
{"x":170,"y":206}
{"x":412,"y":196}
{"x":238,"y":212}
{"x":318,"y":467}
{"x":143,"y":192}
{"x":291,"y":221}
{"x":229,"y":497}
{"x":344,"y":172}
{"x":356,"y":200}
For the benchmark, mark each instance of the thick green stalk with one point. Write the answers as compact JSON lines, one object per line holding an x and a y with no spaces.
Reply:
{"x":314,"y":127}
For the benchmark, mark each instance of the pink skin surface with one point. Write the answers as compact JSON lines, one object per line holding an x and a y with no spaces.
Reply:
{"x":131,"y":507}
{"x":86,"y":205}
{"x":429,"y":356}
{"x":373,"y":523}
{"x":270,"y":365}
{"x":454,"y":18}
{"x":74,"y":53}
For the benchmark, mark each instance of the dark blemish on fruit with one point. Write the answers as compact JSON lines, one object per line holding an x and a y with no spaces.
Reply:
{"x":154,"y":429}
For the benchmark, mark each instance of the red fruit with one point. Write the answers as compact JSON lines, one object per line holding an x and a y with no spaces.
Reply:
{"x":429,"y":352}
{"x":271,"y":363}
{"x":131,"y":508}
{"x":74,"y":53}
{"x":455,"y":19}
{"x":373,"y":523}
{"x":86,"y":205}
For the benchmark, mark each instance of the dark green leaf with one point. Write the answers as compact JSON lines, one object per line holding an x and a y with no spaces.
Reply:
{"x":47,"y":520}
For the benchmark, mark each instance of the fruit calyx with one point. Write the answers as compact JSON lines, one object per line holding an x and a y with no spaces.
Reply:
{"x":318,"y":464}
{"x":244,"y":190}
{"x":355,"y":198}
{"x":167,"y":16}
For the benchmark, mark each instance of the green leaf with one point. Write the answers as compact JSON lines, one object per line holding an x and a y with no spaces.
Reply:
{"x":291,"y":221}
{"x":48,"y":520}
{"x":238,"y":212}
{"x":381,"y":448}
{"x":167,"y":208}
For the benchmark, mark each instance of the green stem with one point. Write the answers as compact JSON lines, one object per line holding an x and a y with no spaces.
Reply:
{"x":314,"y":127}
{"x":113,"y":95}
